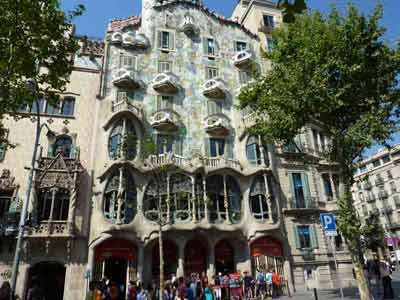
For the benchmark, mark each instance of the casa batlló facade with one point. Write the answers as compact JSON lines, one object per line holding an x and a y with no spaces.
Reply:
{"x":231,"y":201}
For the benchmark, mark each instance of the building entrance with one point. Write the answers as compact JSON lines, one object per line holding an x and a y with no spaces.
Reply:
{"x":116,"y":259}
{"x":195,"y":257}
{"x":267,"y":254}
{"x":115,"y":270}
{"x":50,"y":277}
{"x":224,"y":258}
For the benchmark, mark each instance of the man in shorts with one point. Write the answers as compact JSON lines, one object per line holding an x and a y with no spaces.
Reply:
{"x":247,"y":285}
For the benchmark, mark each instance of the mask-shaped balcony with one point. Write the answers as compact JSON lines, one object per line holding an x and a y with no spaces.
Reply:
{"x":242,"y":59}
{"x":134,"y":41}
{"x":116,"y":38}
{"x":216,"y":125}
{"x":165,"y":83}
{"x":214,"y":89}
{"x":125,"y":79}
{"x":164,"y":121}
{"x":188,"y":26}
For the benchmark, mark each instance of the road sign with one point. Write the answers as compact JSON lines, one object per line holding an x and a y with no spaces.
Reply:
{"x":328,"y":222}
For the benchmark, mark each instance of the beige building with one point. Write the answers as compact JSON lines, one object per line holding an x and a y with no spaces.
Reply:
{"x":233,"y":202}
{"x":376,"y":190}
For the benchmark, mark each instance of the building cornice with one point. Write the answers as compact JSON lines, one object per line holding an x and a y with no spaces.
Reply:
{"x":207,"y":11}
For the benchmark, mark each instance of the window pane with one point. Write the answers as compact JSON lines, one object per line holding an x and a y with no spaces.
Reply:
{"x":210,"y":47}
{"x":63,"y":145}
{"x":304,"y":236}
{"x":268,"y":20}
{"x":165,"y":40}
{"x":327,"y":185}
{"x":164,"y":66}
{"x":52,"y":109}
{"x":298,"y":190}
{"x":240,"y":46}
{"x":68,"y":106}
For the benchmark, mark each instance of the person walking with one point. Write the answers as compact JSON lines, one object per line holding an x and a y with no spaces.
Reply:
{"x":247,"y":285}
{"x":260,"y":285}
{"x":142,"y":295}
{"x":208,"y":295}
{"x":35,"y":292}
{"x":217,"y":287}
{"x":385,"y":272}
{"x":5,"y":291}
{"x":268,"y":281}
{"x":275,"y":284}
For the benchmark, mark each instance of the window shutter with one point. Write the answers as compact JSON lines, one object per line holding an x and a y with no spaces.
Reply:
{"x":178,"y":145}
{"x":207,"y":147}
{"x":296,"y":237}
{"x":292,"y":199}
{"x":73,"y":153}
{"x":172,"y":40}
{"x":306,"y":187}
{"x":229,"y":148}
{"x":159,"y":38}
{"x":158,"y":102}
{"x":205,"y":46}
{"x":50,"y":150}
{"x":216,"y":48}
{"x":2,"y":151}
{"x":314,"y":236}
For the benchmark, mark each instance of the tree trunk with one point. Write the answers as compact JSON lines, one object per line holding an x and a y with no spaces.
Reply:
{"x":365,"y":293}
{"x":160,"y":243}
{"x":353,"y":241}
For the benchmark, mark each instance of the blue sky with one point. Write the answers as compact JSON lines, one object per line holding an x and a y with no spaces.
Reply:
{"x":98,"y":12}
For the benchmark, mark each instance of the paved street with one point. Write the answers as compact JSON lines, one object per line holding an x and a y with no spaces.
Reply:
{"x":349,"y":293}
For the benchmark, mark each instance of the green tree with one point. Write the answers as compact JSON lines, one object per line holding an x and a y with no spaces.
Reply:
{"x":34,"y":35}
{"x":338,"y":71}
{"x":290,"y":8}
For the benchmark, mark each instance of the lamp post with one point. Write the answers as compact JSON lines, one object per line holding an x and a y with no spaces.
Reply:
{"x":31,"y":86}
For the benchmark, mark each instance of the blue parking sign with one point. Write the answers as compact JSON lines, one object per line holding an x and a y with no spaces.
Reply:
{"x":328,"y":222}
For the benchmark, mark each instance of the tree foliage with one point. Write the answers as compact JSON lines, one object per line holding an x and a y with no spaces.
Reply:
{"x":336,"y":71}
{"x":34,"y":34}
{"x":290,"y":8}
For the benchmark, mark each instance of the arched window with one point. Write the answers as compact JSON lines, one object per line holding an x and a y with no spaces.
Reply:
{"x":217,"y":188}
{"x":258,"y":199}
{"x":180,"y":197}
{"x":53,"y":204}
{"x":63,"y":144}
{"x":175,"y":190}
{"x":120,"y":198}
{"x":254,"y":151}
{"x":122,"y":142}
{"x":156,"y":194}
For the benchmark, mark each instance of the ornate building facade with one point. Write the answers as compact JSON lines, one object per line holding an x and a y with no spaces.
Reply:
{"x":231,"y":201}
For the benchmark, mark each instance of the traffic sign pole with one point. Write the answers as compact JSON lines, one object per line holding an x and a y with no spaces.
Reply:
{"x":332,"y":238}
{"x":329,"y":227}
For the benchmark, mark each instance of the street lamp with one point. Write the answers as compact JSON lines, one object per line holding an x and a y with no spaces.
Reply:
{"x":31,"y":87}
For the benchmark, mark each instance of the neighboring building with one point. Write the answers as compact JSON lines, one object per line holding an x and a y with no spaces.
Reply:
{"x":376,"y":191}
{"x":235,"y":202}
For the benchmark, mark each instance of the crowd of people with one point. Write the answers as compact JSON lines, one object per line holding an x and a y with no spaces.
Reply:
{"x":380,"y":271}
{"x":194,"y":287}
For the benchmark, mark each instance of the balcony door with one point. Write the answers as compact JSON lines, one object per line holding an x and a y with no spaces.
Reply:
{"x":301,"y":197}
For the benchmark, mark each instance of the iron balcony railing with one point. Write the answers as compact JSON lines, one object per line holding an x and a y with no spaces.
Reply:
{"x":302,"y":203}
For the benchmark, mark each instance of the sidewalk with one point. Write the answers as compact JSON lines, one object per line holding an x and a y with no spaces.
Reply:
{"x":349,"y":293}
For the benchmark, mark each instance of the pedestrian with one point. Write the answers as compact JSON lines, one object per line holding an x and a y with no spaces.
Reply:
{"x":260,"y":285}
{"x":193,"y":284}
{"x":208,"y":295}
{"x":268,"y":280}
{"x":275,"y":284}
{"x":385,"y":272}
{"x":217,"y":287}
{"x":247,"y":285}
{"x":90,"y":294}
{"x":225,"y":286}
{"x":142,"y":295}
{"x":204,"y":279}
{"x":189,"y":291}
{"x":5,"y":291}
{"x":132,"y":290}
{"x":114,"y":292}
{"x":35,"y":292}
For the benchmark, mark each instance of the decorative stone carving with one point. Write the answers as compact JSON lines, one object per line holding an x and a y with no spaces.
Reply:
{"x":7,"y":181}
